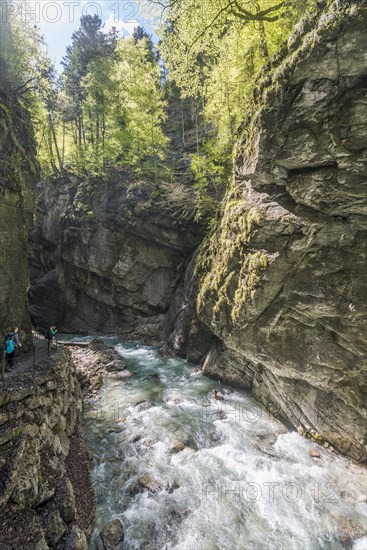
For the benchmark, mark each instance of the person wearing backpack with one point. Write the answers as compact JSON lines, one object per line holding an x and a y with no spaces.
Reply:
{"x":51,"y":336}
{"x":53,"y":331}
{"x":9,"y":350}
{"x":11,"y":347}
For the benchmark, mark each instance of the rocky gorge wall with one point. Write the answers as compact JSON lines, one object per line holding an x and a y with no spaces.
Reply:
{"x":281,"y":293}
{"x":18,"y":175}
{"x":105,"y":257}
{"x":46,"y":496}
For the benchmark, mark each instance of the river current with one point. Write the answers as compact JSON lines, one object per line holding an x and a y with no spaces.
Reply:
{"x":184,"y":471}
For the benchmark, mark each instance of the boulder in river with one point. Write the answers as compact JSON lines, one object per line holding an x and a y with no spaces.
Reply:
{"x":153,"y":376}
{"x":149,"y":483}
{"x":177,"y":447}
{"x":143,"y":406}
{"x":116,"y":365}
{"x":175,"y":399}
{"x":314,"y":453}
{"x":123,"y":374}
{"x":221,"y":415}
{"x":218,"y":395}
{"x":111,"y":536}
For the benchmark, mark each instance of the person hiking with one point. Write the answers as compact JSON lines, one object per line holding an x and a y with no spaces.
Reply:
{"x":51,"y":335}
{"x":11,"y":347}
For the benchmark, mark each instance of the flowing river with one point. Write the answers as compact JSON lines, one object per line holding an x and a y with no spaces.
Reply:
{"x":185,"y":471}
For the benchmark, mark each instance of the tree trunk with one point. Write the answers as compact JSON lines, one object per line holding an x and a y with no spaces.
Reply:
{"x":63,"y":144}
{"x":52,"y":158}
{"x":52,"y":130}
{"x":103,"y":134}
{"x":263,"y":43}
{"x":183,"y":123}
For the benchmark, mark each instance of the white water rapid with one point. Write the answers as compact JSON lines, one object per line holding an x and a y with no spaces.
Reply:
{"x":242,"y":481}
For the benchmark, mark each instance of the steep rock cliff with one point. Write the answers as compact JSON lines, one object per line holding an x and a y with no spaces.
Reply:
{"x":18,"y":176}
{"x":282,"y":279}
{"x":106,"y":256}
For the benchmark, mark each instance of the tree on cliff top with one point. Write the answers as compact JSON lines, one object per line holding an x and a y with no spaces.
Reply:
{"x":214,"y":50}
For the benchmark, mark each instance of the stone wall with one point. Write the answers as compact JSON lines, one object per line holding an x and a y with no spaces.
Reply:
{"x":46,"y":497}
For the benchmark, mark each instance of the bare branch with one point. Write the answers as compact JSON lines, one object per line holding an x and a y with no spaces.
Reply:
{"x":244,"y":14}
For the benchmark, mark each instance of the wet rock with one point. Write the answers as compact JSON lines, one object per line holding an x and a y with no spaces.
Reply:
{"x":218,"y":395}
{"x":96,"y":382}
{"x":348,"y":530}
{"x":96,"y":343}
{"x":116,"y":429}
{"x":123,"y":374}
{"x":176,"y":400}
{"x":116,"y":365}
{"x":221,"y":415}
{"x":144,"y":406}
{"x":195,"y":373}
{"x":314,"y":453}
{"x":111,"y":536}
{"x":96,"y":362}
{"x":149,"y":483}
{"x":177,"y":447}
{"x":267,"y":450}
{"x":172,"y":487}
{"x":148,"y":442}
{"x":153,"y":376}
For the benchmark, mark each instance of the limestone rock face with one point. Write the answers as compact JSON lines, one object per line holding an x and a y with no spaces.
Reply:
{"x":105,"y":258}
{"x":18,"y":176}
{"x":291,"y":326}
{"x":46,"y":494}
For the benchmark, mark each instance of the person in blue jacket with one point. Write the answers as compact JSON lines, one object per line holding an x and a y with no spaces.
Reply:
{"x":11,"y":347}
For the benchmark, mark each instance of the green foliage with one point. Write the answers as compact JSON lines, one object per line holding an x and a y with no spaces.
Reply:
{"x":176,"y":199}
{"x":109,"y":107}
{"x":209,"y":176}
{"x":214,"y":50}
{"x":229,"y":269}
{"x":137,"y":80}
{"x":19,"y":83}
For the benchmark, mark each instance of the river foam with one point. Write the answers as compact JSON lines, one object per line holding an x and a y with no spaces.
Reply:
{"x":242,"y":481}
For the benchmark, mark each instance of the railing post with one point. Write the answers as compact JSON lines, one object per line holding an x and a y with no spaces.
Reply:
{"x":34,"y":355}
{"x":3,"y":366}
{"x":48,"y":348}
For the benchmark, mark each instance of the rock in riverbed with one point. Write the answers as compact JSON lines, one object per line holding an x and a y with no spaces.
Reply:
{"x":94,"y":363}
{"x":111,"y":536}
